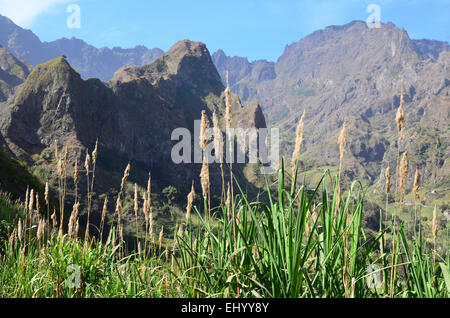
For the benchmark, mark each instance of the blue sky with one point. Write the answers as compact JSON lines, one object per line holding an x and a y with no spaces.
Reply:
{"x":257,"y":29}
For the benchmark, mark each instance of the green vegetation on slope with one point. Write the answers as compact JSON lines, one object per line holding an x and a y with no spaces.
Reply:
{"x":301,"y":244}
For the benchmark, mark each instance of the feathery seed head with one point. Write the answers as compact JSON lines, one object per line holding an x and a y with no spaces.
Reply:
{"x":434,"y":223}
{"x":228,"y":105}
{"x":126,"y":174}
{"x":403,"y":172}
{"x":204,"y":138}
{"x":218,"y":141}
{"x":400,"y":117}
{"x":105,"y":207}
{"x":204,"y":177}
{"x":75,"y":173}
{"x":95,"y":153}
{"x":298,"y":140}
{"x":136,"y":200}
{"x":53,"y":217}
{"x":161,"y":235}
{"x":87,"y":162}
{"x":416,"y":185}
{"x":27,"y":197}
{"x":46,"y":194}
{"x":38,"y":207}
{"x":190,"y":199}
{"x":19,"y":230}
{"x":60,"y":168}
{"x":31,"y":203}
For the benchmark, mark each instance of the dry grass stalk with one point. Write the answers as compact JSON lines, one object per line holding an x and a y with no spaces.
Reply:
{"x":341,"y":142}
{"x":416,"y":196}
{"x":126,"y":174}
{"x":387,"y":189}
{"x":102,"y":222}
{"x":228,"y":126}
{"x":416,"y":185}
{"x":298,"y":143}
{"x":204,"y":127}
{"x":387,"y":175}
{"x":228,"y":203}
{"x":119,"y":216}
{"x":31,"y":202}
{"x":53,"y":217}
{"x":87,"y":163}
{"x":95,"y":153}
{"x":228,"y":104}
{"x":40,"y":230}
{"x":19,"y":231}
{"x":38,"y":206}
{"x":161,"y":235}
{"x":400,"y":116}
{"x":434,"y":231}
{"x":218,"y":147}
{"x":190,"y":201}
{"x":76,"y":179}
{"x":218,"y":139}
{"x":149,"y":190}
{"x":152,"y":226}
{"x":27,"y":198}
{"x":136,"y":209}
{"x":403,"y":173}
{"x":204,"y":177}
{"x":400,"y":119}
{"x":73,"y":220}
{"x":46,"y":194}
{"x":146,"y":212}
{"x":204,"y":141}
{"x":77,"y":228}
{"x":47,"y":201}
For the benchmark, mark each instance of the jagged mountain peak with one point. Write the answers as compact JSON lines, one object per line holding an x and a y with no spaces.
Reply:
{"x":187,"y":65}
{"x":47,"y":76}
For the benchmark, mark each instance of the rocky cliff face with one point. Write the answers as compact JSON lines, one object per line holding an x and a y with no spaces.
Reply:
{"x":132,"y":116}
{"x":354,"y":74}
{"x":12,"y":73}
{"x":88,"y":60}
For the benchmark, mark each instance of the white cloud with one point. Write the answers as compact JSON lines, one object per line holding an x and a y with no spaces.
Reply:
{"x":23,"y":12}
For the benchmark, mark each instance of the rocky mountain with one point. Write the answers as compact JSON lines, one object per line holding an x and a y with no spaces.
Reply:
{"x":240,"y":68}
{"x":132,"y":116}
{"x":354,"y":74}
{"x":88,"y":60}
{"x":12,"y":73}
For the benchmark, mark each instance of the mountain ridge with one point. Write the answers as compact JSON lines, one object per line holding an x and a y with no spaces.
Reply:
{"x":88,"y":60}
{"x":354,"y":74}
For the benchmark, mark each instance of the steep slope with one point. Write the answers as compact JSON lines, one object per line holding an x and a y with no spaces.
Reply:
{"x":354,"y":74}
{"x":132,"y":116}
{"x":240,"y":69}
{"x":12,"y":73}
{"x":86,"y":59}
